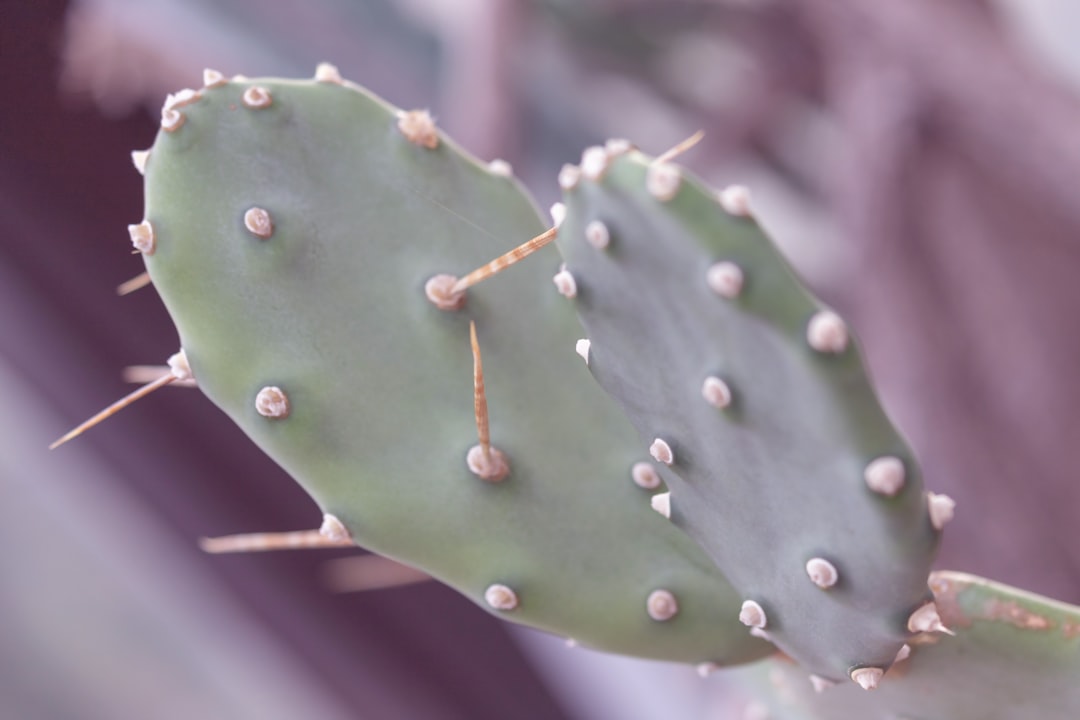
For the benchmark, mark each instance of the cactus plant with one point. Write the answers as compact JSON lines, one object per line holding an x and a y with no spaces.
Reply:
{"x":306,"y":238}
{"x":291,"y":228}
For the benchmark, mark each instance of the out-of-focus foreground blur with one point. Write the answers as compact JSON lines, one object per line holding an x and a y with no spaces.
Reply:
{"x":919,"y":162}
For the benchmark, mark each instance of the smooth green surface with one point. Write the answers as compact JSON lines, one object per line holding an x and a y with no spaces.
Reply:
{"x":1016,"y":656}
{"x":777,"y":478}
{"x":332,"y":310}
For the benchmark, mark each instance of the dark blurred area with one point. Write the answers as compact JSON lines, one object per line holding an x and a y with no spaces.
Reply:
{"x":918,"y":161}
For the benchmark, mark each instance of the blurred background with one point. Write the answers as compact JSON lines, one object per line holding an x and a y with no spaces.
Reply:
{"x":919,"y":162}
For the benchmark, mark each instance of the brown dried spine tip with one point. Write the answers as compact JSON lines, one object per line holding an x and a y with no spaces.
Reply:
{"x":272,"y":402}
{"x":716,"y":392}
{"x":490,"y":466}
{"x":661,"y":451}
{"x":661,"y":503}
{"x":942,"y":508}
{"x":885,"y":475}
{"x":569,"y":176}
{"x":418,"y":127}
{"x":582,"y":348}
{"x":867,"y":677}
{"x":327,"y":73}
{"x":440,"y":291}
{"x":258,"y":222}
{"x":139,"y":158}
{"x":753,"y":615}
{"x":179,"y":367}
{"x":257,"y":97}
{"x":565,"y":283}
{"x":333,"y":529}
{"x":662,"y":605}
{"x":662,"y":181}
{"x":645,"y":476}
{"x":926,"y":619}
{"x":706,"y":669}
{"x":171,"y":120}
{"x":212,"y":78}
{"x":558,"y":214}
{"x":501,"y":168}
{"x":500,"y":597}
{"x":735,"y":200}
{"x":597,"y":235}
{"x":821,"y":684}
{"x":142,"y":237}
{"x":725,"y":279}
{"x":822,"y":572}
{"x":827,"y":333}
{"x":594,"y":163}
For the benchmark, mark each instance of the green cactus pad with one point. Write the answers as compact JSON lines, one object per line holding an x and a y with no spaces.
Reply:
{"x":323,"y":298}
{"x":769,"y":456}
{"x":1015,"y":656}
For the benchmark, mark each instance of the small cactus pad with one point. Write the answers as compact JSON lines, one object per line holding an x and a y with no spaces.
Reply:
{"x":1015,"y":656}
{"x":755,"y":396}
{"x":296,"y":225}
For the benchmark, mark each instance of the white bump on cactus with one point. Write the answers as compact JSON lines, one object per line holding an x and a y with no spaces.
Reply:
{"x":500,"y":167}
{"x":735,"y":199}
{"x":171,"y":120}
{"x":594,"y":162}
{"x":618,"y":146}
{"x":257,"y":97}
{"x":500,"y":597}
{"x":179,"y":367}
{"x":333,"y":529}
{"x":902,"y":654}
{"x":258,"y":222}
{"x":327,"y":73}
{"x":661,"y":451}
{"x":821,"y":684}
{"x":558,"y":214}
{"x":661,"y":503}
{"x":725,"y":279}
{"x":662,"y":181}
{"x":491,"y":465}
{"x":867,"y":677}
{"x":569,"y":176}
{"x":927,"y":620}
{"x":662,"y":605}
{"x":716,"y":392}
{"x":142,"y":237}
{"x":827,"y":332}
{"x":139,"y":158}
{"x":885,"y":475}
{"x":418,"y":127}
{"x":759,"y":633}
{"x":597,"y":234}
{"x":753,"y":615}
{"x":582,"y":348}
{"x":439,"y":289}
{"x":822,"y":572}
{"x":212,"y":78}
{"x":942,"y":508}
{"x":706,"y":669}
{"x":565,"y":283}
{"x":645,"y":476}
{"x":272,"y":402}
{"x":181,"y":98}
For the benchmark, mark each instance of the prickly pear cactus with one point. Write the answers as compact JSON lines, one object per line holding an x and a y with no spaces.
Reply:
{"x":786,"y":470}
{"x":1015,"y":656}
{"x":291,"y":228}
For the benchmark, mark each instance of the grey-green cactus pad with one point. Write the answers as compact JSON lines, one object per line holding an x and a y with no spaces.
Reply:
{"x":1015,"y":656}
{"x":776,"y":478}
{"x":331,"y":309}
